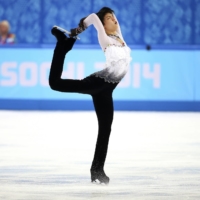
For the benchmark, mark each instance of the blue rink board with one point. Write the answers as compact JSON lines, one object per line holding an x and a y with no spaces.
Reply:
{"x":84,"y":105}
{"x":157,"y":80}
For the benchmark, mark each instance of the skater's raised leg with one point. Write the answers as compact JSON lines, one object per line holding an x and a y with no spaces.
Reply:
{"x":63,"y":45}
{"x":88,"y":85}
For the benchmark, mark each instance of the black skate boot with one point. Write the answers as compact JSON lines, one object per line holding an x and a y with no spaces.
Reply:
{"x":64,"y":43}
{"x":99,"y":176}
{"x":60,"y":33}
{"x":60,"y":36}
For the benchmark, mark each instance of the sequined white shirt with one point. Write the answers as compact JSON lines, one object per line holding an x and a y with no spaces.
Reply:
{"x":117,"y":55}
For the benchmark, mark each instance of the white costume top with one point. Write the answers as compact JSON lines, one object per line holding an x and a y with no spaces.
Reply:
{"x":117,"y":56}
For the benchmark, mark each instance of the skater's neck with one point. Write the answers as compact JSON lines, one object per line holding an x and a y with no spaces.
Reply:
{"x":111,"y":33}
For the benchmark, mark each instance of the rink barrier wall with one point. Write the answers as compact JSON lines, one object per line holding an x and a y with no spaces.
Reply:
{"x":166,"y":78}
{"x":87,"y":105}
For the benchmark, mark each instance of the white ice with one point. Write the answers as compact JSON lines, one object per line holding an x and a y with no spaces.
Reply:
{"x":47,"y":156}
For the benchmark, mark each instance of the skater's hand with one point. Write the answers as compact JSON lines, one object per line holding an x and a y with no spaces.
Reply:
{"x":81,"y":27}
{"x":75,"y":31}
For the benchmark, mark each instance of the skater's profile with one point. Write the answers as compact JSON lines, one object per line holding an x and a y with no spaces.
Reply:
{"x":99,"y":85}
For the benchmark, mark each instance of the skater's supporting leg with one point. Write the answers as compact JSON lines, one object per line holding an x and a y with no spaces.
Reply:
{"x":104,"y":109}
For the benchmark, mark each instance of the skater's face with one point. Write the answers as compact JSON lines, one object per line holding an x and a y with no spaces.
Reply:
{"x":110,"y":23}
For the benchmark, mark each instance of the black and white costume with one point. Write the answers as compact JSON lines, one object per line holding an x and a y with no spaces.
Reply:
{"x":117,"y":55}
{"x":99,"y":85}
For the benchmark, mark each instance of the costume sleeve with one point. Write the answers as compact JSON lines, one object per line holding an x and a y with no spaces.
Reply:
{"x":102,"y":36}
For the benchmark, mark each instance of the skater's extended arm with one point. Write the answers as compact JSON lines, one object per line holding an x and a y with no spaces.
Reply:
{"x":94,"y":20}
{"x":102,"y":36}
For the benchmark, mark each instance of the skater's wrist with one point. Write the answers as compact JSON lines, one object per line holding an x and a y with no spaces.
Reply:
{"x":75,"y":31}
{"x":82,"y":24}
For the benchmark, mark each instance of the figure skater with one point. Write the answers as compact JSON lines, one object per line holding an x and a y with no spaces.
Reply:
{"x":99,"y":85}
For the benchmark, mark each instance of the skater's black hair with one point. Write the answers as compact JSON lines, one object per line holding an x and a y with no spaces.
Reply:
{"x":103,"y":12}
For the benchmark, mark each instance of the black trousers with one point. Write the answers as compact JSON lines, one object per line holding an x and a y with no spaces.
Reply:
{"x":100,"y":91}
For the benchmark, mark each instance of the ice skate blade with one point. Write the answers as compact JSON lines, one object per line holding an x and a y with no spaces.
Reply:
{"x":64,"y":31}
{"x":97,"y":182}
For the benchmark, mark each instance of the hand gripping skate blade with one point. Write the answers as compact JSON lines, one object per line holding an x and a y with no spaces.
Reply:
{"x":64,"y":31}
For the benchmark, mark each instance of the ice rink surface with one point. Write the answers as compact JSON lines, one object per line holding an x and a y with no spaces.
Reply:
{"x":151,"y":156}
